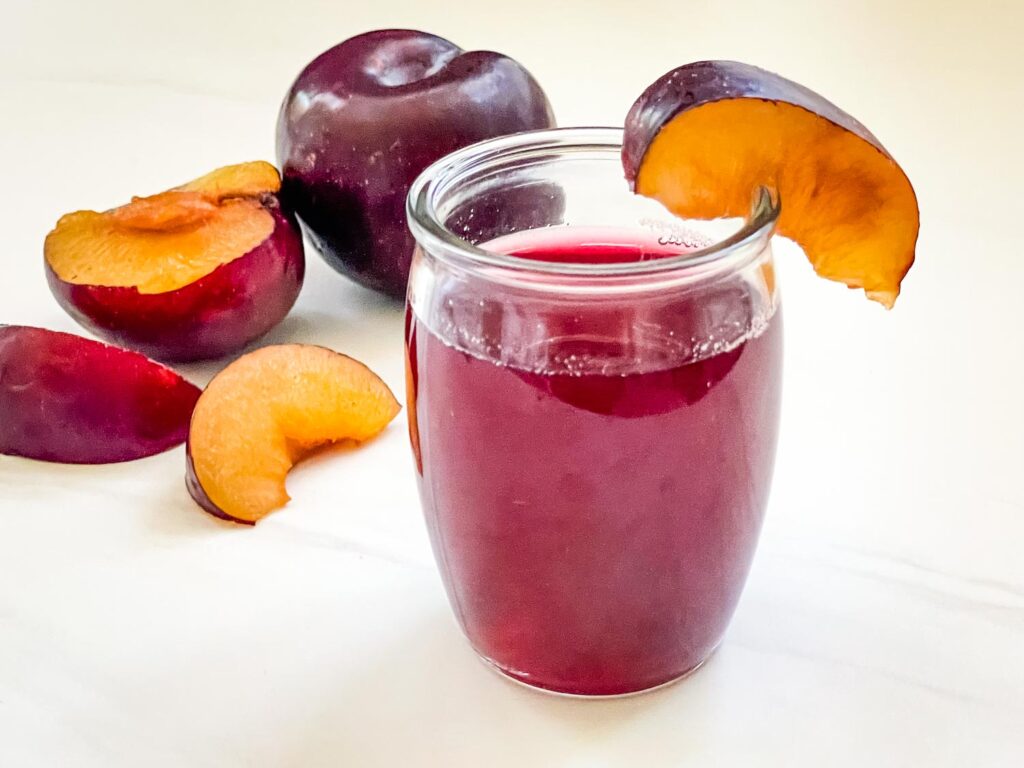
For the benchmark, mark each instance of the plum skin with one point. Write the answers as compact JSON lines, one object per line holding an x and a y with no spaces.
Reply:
{"x":217,"y":314}
{"x":68,"y":399}
{"x":364,"y":118}
{"x":703,"y":82}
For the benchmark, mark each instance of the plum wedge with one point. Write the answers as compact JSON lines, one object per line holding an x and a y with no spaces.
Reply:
{"x":68,"y":399}
{"x":266,"y":411}
{"x":706,"y":135}
{"x":191,"y":273}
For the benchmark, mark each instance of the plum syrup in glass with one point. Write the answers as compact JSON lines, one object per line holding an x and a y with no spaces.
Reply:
{"x":593,"y":400}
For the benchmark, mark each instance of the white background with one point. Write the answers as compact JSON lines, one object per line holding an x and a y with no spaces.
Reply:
{"x":883,"y":623}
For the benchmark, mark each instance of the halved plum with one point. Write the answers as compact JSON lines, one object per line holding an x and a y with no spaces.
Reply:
{"x":192,"y":273}
{"x":73,"y":400}
{"x":705,"y":136}
{"x":265,"y":412}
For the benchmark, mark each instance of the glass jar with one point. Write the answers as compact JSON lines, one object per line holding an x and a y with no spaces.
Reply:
{"x":593,"y":400}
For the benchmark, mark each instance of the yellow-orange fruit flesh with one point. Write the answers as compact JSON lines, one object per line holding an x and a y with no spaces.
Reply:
{"x":848,"y":204}
{"x":271,"y":407}
{"x":166,"y":241}
{"x":242,"y":180}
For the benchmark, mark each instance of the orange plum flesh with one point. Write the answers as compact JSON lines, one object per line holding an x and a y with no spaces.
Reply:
{"x":703,"y":138}
{"x":192,"y":273}
{"x":268,"y":410}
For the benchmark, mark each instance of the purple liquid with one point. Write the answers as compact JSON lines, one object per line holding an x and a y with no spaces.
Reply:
{"x":594,"y":530}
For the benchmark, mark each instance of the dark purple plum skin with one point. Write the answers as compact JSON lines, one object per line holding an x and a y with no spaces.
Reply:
{"x":72,"y":400}
{"x":218,"y":314}
{"x":366,"y":117}
{"x":703,"y":82}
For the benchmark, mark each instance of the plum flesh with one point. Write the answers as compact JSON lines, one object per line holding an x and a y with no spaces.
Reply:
{"x":217,"y":314}
{"x":703,"y":139}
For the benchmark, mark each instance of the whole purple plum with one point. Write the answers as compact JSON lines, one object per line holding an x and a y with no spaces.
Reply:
{"x":363,"y":119}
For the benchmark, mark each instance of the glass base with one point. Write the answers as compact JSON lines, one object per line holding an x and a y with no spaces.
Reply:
{"x":490,"y":664}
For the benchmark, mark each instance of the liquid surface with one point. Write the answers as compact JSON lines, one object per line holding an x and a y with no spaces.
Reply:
{"x":594,"y":530}
{"x":595,"y":245}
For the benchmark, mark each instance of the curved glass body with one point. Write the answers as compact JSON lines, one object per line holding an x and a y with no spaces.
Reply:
{"x":593,"y":397}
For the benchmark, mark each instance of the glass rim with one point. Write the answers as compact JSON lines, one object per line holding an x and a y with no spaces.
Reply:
{"x":432,"y":234}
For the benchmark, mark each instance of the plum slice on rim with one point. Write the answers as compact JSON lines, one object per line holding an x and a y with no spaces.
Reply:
{"x":706,"y":135}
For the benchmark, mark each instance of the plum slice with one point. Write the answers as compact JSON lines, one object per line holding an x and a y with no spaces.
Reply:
{"x":68,"y":399}
{"x":266,"y":411}
{"x":192,"y":273}
{"x":705,"y":136}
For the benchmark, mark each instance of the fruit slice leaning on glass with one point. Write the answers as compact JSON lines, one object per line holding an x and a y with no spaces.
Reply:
{"x":703,"y":137}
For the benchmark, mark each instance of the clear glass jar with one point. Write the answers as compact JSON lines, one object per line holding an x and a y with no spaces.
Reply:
{"x":593,"y":389}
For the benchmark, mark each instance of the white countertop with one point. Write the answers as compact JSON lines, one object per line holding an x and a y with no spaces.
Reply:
{"x":883,"y":622}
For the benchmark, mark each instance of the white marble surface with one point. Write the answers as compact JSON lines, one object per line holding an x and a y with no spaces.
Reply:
{"x":883,"y":623}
